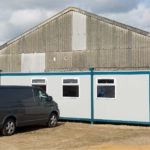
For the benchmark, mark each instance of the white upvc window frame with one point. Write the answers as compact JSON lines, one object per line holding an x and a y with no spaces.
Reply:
{"x":106,"y":84}
{"x":45,"y":83}
{"x":71,"y":84}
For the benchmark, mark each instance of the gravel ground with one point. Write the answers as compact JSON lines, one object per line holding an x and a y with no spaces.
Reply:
{"x":79,"y":136}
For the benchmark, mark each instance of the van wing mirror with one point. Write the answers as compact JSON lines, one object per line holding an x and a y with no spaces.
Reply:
{"x":50,"y":98}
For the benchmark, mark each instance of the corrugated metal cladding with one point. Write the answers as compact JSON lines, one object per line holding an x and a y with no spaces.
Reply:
{"x":29,"y":62}
{"x":76,"y":40}
{"x":78,"y":31}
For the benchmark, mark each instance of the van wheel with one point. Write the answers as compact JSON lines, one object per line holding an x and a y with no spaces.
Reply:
{"x":52,"y":120}
{"x":9,"y":127}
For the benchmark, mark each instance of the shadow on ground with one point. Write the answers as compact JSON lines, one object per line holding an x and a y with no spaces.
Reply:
{"x":32,"y":128}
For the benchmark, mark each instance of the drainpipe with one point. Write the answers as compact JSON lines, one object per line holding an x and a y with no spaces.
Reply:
{"x":91,"y":69}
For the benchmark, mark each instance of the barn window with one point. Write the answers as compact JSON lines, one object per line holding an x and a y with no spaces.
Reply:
{"x":106,"y":88}
{"x":70,"y":87}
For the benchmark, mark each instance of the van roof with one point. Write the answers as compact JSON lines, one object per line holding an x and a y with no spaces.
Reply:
{"x":14,"y":86}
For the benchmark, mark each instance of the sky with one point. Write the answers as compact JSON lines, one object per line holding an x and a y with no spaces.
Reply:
{"x":18,"y":16}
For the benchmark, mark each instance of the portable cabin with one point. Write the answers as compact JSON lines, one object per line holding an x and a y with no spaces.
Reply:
{"x":96,"y":69}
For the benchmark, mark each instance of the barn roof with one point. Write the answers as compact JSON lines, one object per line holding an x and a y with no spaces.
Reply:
{"x":103,"y":19}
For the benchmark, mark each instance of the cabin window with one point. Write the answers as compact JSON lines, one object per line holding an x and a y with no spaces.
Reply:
{"x":42,"y":83}
{"x":106,"y":88}
{"x":70,"y":87}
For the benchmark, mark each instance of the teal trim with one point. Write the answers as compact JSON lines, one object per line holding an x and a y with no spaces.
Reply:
{"x":76,"y":73}
{"x":75,"y":119}
{"x":122,"y":73}
{"x":121,"y":122}
{"x":149,"y":96}
{"x":45,"y":74}
{"x":106,"y":121}
{"x":92,"y":95}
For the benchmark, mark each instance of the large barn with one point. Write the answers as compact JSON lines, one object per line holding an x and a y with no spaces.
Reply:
{"x":76,"y":40}
{"x":96,"y":69}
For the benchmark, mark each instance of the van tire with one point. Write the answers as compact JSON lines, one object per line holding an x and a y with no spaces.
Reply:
{"x":9,"y":127}
{"x":53,"y":119}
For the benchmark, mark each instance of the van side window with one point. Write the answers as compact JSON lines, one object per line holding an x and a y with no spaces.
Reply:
{"x":41,"y":95}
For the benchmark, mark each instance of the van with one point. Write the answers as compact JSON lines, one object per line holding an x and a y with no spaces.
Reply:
{"x":25,"y":105}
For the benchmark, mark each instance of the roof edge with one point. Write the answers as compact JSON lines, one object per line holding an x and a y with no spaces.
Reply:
{"x":68,"y":9}
{"x":110,"y":21}
{"x":113,"y":22}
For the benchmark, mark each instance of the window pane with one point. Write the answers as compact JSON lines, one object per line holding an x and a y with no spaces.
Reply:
{"x":39,"y":93}
{"x":70,"y":81}
{"x":38,"y":81}
{"x":36,"y":92}
{"x":70,"y":91}
{"x":42,"y":93}
{"x":103,"y":81}
{"x":106,"y":91}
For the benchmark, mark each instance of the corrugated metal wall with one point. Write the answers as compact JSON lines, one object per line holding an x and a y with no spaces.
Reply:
{"x":116,"y":47}
{"x":52,"y":37}
{"x":108,"y":46}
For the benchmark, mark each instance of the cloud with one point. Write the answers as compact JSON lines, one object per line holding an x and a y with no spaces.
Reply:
{"x":27,"y":18}
{"x":95,"y":5}
{"x":20,"y":21}
{"x":34,"y":4}
{"x":4,"y":32}
{"x":110,"y":6}
{"x":139,"y":17}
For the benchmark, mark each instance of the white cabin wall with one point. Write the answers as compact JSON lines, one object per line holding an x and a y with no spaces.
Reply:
{"x":131,"y":102}
{"x":69,"y":107}
{"x":15,"y":80}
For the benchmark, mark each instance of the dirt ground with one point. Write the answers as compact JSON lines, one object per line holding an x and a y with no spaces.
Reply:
{"x":79,"y":136}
